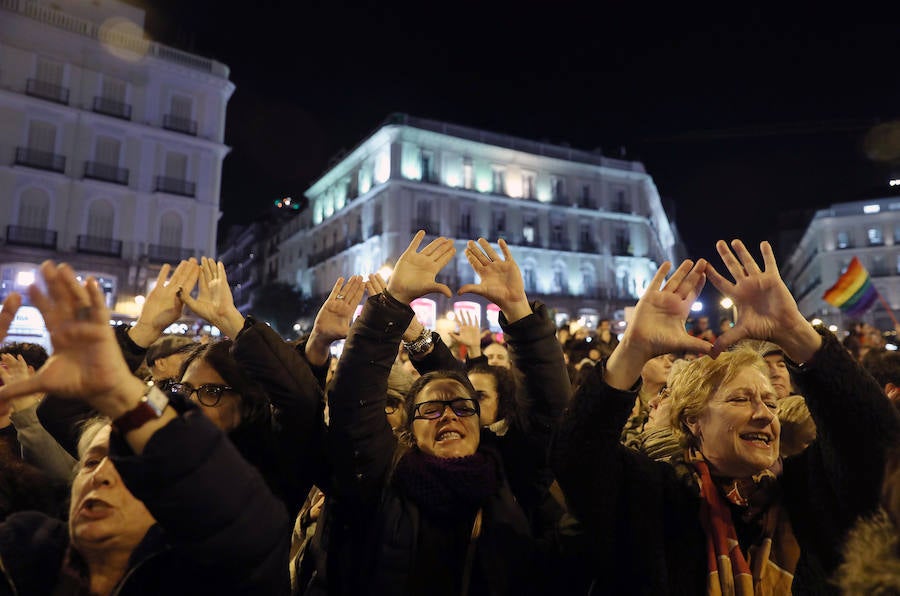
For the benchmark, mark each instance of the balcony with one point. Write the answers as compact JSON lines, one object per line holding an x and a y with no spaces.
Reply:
{"x":110,"y":107}
{"x":157,"y":253}
{"x":42,"y":160}
{"x":562,"y":201}
{"x":48,"y":91}
{"x":105,"y":172}
{"x":174,"y":186}
{"x":93,"y":245}
{"x":37,"y":237}
{"x":179,"y":124}
{"x":621,"y":250}
{"x":587,"y":203}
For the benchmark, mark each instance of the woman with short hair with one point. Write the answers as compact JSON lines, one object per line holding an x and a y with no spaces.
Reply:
{"x":735,"y":518}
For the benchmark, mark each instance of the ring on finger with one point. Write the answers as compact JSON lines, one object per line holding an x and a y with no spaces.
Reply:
{"x":339,"y":297}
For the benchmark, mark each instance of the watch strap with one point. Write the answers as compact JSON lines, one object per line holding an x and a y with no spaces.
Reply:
{"x":152,"y":405}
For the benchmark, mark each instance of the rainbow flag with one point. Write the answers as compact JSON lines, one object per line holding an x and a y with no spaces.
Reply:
{"x":853,"y":292}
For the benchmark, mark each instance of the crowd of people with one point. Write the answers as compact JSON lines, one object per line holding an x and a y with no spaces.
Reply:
{"x":763,"y":458}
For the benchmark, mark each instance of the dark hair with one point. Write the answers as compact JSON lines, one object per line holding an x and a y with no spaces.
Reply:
{"x":254,"y":406}
{"x":34,"y":355}
{"x":508,"y":386}
{"x":884,"y":365}
{"x":420,"y":383}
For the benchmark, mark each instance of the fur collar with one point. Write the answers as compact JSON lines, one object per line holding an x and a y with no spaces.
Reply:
{"x":871,"y":558}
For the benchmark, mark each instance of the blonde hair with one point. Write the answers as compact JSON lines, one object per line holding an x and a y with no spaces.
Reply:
{"x":692,"y":386}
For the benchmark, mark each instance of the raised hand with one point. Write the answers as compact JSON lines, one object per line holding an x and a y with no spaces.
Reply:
{"x":14,"y":368}
{"x":163,"y":306}
{"x":415,"y":272}
{"x":469,"y":334}
{"x":87,"y":362}
{"x":657,"y":326}
{"x":501,"y":280}
{"x":214,"y":301}
{"x":766,"y":309}
{"x":8,"y":314}
{"x":375,"y":284}
{"x":333,"y":320}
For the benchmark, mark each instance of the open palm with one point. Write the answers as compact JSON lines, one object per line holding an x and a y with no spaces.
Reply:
{"x":501,"y":279}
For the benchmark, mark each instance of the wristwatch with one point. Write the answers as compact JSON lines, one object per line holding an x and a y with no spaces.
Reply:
{"x":151,"y":407}
{"x":420,"y":345}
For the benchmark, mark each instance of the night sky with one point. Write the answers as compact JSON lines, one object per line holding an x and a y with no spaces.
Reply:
{"x":737,"y":122}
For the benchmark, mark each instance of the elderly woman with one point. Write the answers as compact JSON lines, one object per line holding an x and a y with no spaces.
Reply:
{"x":161,"y":501}
{"x":434,"y":514}
{"x":726,"y":522}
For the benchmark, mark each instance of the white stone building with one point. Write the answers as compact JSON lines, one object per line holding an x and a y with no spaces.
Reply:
{"x":587,"y":231}
{"x":869,"y":230}
{"x":111,"y":146}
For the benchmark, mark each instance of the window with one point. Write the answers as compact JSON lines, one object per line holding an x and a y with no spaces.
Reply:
{"x":556,"y":232}
{"x":558,"y":186}
{"x":588,"y":282}
{"x":528,"y":185}
{"x":499,"y":222}
{"x":34,"y":209}
{"x":100,"y":220}
{"x":558,"y":284}
{"x":427,"y":167}
{"x":529,"y":228}
{"x":42,"y":136}
{"x":107,"y":150}
{"x":499,"y":180}
{"x":423,"y":215}
{"x":176,"y":165}
{"x":843,"y":239}
{"x":113,"y":89}
{"x":529,"y":278}
{"x":468,"y":174}
{"x":622,"y":244}
{"x":181,"y":106}
{"x":170,"y":230}
{"x":465,"y":221}
{"x":48,"y":71}
{"x":875,"y":237}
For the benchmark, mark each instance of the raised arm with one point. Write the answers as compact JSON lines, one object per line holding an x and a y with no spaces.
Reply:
{"x":360,"y":439}
{"x":202,"y":492}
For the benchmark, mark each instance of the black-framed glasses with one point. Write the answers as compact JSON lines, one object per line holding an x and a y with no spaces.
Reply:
{"x":432,"y":410}
{"x":392,"y":405}
{"x":208,"y":395}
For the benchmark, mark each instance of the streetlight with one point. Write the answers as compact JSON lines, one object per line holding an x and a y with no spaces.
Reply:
{"x":697,"y":306}
{"x":727,"y":302}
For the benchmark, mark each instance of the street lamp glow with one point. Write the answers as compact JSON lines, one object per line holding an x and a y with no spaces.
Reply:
{"x":139,"y":300}
{"x":816,"y":322}
{"x":385,"y":272}
{"x":697,"y":306}
{"x":833,"y":328}
{"x":726,"y":302}
{"x":24,"y":278}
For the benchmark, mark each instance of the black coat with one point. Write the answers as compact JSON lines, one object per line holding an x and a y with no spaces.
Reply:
{"x":643,"y":521}
{"x":220,"y":529}
{"x":373,"y":532}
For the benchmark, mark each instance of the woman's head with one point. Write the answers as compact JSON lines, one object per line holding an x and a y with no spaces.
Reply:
{"x":442,"y":415}
{"x":726,"y":409}
{"x":496,"y":388}
{"x":212,"y":377}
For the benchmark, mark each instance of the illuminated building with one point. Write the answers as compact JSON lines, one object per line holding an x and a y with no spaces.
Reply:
{"x":587,"y":231}
{"x":111,"y":146}
{"x":868,"y":230}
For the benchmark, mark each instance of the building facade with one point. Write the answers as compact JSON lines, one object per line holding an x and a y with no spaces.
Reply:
{"x":867,"y":229}
{"x":111,"y":146}
{"x":587,"y":231}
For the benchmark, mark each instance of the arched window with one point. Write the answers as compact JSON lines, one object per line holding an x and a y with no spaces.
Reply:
{"x":559,"y":284}
{"x":589,"y":281}
{"x":529,"y":277}
{"x":170,"y":230}
{"x":100,"y":219}
{"x":34,"y":209}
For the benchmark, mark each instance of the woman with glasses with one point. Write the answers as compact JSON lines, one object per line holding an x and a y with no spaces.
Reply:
{"x":432,"y":513}
{"x":734,"y":517}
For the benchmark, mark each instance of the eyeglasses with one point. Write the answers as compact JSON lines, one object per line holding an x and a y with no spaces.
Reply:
{"x":392,"y":405}
{"x":432,"y":410}
{"x":208,"y":395}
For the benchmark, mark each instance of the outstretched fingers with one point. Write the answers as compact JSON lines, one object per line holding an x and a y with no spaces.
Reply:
{"x":10,"y":305}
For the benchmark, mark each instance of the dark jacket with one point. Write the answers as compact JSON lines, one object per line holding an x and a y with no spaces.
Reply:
{"x":374,"y":531}
{"x":537,"y":354}
{"x":643,"y":522}
{"x":220,"y":529}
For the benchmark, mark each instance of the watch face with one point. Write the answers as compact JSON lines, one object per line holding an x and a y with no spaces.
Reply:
{"x":157,"y":400}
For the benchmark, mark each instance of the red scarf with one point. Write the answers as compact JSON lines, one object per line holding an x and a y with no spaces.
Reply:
{"x":770,"y":564}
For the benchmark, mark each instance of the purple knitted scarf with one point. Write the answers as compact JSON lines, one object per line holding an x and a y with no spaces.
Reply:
{"x":447,"y":487}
